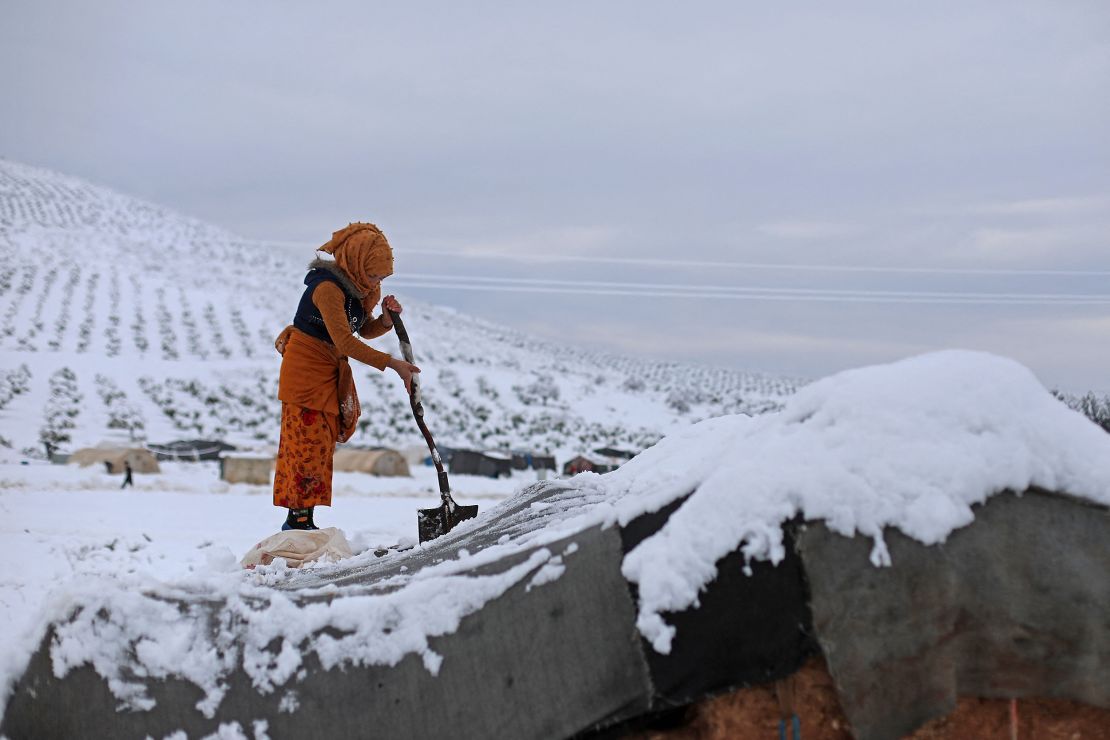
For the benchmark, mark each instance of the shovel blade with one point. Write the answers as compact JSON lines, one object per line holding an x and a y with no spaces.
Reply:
{"x":431,"y":523}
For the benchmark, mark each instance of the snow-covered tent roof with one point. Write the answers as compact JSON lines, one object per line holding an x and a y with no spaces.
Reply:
{"x":720,"y":557}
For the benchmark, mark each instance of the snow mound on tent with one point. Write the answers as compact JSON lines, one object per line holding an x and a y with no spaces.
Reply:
{"x":913,"y":445}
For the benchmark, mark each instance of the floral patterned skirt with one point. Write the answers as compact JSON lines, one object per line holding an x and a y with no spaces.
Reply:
{"x":304,"y":459}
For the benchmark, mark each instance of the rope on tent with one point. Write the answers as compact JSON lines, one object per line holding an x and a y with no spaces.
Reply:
{"x":177,"y":455}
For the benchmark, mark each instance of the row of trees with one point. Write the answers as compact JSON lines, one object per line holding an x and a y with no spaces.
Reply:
{"x":61,"y":410}
{"x":13,"y":383}
{"x":1094,"y":408}
{"x":122,"y":414}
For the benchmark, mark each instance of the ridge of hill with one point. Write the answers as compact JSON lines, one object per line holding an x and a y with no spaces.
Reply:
{"x":123,"y":320}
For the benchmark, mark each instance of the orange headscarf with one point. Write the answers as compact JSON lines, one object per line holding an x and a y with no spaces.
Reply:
{"x":361,"y":251}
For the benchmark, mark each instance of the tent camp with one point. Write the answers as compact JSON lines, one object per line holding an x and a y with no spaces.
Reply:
{"x":142,"y":461}
{"x":382,"y":462}
{"x":243,"y":468}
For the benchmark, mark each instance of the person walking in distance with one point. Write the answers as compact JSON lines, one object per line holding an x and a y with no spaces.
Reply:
{"x":319,"y":404}
{"x":127,"y":481}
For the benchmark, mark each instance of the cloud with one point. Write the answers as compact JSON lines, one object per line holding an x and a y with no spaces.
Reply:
{"x":808,"y":230}
{"x":567,"y":240}
{"x":1050,"y":206}
{"x":1054,"y":242}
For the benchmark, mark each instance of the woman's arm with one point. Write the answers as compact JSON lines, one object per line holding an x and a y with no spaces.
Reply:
{"x":329,"y":298}
{"x":375,"y":328}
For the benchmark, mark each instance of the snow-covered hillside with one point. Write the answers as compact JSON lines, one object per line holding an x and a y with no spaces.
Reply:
{"x":121,"y":319}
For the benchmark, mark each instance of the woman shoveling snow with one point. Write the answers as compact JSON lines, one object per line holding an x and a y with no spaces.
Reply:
{"x":319,"y":405}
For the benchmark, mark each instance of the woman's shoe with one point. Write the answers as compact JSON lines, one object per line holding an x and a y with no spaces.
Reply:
{"x":299,"y":519}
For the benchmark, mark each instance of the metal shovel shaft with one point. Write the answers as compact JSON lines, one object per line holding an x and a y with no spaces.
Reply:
{"x":431,"y":523}
{"x":418,"y":413}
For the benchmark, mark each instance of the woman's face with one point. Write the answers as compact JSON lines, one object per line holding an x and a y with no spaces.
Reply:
{"x":372,"y":282}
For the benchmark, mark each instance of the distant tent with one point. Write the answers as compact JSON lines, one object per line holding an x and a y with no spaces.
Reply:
{"x":523,"y":460}
{"x":382,"y":462}
{"x":473,"y":462}
{"x":113,"y":458}
{"x":188,"y":450}
{"x":614,"y":452}
{"x":246,"y":468}
{"x":583,"y":464}
{"x":417,"y":454}
{"x":445,"y":455}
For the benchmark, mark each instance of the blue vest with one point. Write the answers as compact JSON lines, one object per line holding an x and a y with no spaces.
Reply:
{"x":308,"y":318}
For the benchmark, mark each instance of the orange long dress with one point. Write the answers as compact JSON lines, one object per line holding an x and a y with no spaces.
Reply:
{"x":319,"y":403}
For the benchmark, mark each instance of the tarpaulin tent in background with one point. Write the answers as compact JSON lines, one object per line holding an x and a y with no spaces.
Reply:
{"x":191,"y":450}
{"x":381,"y":462}
{"x":113,"y":458}
{"x":246,"y":468}
{"x":474,"y":462}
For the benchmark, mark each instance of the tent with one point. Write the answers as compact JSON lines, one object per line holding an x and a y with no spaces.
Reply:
{"x":191,"y":450}
{"x":384,"y":462}
{"x":998,"y":610}
{"x":246,"y":468}
{"x":473,"y":462}
{"x":614,"y":452}
{"x":417,"y":454}
{"x":525,"y":460}
{"x":142,"y":460}
{"x":583,"y":464}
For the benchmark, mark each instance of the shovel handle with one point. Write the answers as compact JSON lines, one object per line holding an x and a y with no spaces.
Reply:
{"x":418,"y":413}
{"x":406,"y":350}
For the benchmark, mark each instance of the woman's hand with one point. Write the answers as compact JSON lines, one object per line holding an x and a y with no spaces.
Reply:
{"x":405,"y":369}
{"x":283,"y":339}
{"x":390,"y":303}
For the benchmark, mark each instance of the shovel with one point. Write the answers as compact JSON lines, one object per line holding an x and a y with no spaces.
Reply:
{"x":431,"y":523}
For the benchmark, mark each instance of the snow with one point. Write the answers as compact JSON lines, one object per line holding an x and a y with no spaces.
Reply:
{"x":911,"y":445}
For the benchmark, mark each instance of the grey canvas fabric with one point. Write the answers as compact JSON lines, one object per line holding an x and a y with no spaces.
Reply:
{"x":1015,"y":605}
{"x":541,"y":664}
{"x":547,"y":662}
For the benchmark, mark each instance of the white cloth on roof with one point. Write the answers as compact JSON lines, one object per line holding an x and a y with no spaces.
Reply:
{"x":299,"y":546}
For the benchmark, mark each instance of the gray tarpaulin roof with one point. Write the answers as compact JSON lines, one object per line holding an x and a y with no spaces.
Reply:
{"x":1016,"y":604}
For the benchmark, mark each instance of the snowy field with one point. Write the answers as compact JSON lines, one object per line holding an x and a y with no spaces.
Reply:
{"x":66,"y":524}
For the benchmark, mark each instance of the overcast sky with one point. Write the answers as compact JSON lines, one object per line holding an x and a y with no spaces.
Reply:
{"x":690,"y":173}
